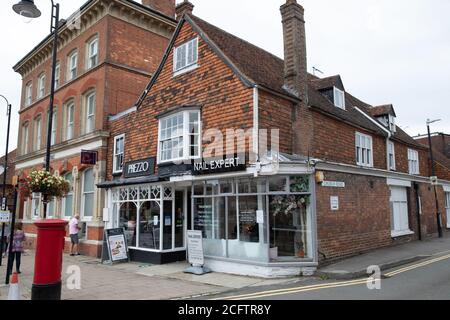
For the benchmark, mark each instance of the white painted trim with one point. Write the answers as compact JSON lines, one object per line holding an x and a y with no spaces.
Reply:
{"x":256,"y":122}
{"x":339,"y":91}
{"x":398,"y":182}
{"x":446,"y":188}
{"x":122,"y":114}
{"x":120,"y":136}
{"x":62,"y":154}
{"x":370,"y":138}
{"x":396,"y":234}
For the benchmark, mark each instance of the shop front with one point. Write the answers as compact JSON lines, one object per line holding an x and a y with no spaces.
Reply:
{"x":257,"y":226}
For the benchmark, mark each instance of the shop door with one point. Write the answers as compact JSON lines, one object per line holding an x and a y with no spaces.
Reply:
{"x":181,"y":215}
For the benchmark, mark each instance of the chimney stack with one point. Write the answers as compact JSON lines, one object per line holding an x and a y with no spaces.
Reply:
{"x":166,"y":7}
{"x":184,"y":7}
{"x":295,"y":64}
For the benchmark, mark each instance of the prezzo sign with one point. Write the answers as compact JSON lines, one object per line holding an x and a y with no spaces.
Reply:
{"x":139,"y":168}
{"x":218,"y":165}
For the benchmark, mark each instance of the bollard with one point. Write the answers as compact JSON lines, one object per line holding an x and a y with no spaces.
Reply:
{"x":48,"y":259}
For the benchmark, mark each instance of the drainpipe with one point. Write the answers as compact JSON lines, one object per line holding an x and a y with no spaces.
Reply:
{"x":419,"y":224}
{"x":255,"y":141}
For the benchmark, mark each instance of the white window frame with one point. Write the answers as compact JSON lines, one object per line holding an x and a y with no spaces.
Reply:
{"x":447,"y":207}
{"x":413,"y":162}
{"x":190,"y":62}
{"x":185,"y":135}
{"x":91,"y":54}
{"x":337,"y":93}
{"x":83,"y":195}
{"x":70,"y":193}
{"x":37,"y":133}
{"x":25,"y":137}
{"x":72,"y":65}
{"x":391,"y":152}
{"x":69,"y":127}
{"x":361,"y":150}
{"x":392,"y":125}
{"x":34,"y":209}
{"x":29,"y":94}
{"x":89,"y":124}
{"x":120,"y":155}
{"x":57,"y":75}
{"x":41,"y":86}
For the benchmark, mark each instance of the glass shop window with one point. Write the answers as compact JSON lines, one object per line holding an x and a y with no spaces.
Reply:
{"x":127,"y":220}
{"x":149,"y":225}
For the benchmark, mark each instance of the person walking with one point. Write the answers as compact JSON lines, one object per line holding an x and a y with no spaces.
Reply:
{"x":5,"y":240}
{"x":17,"y":247}
{"x":73,"y":231}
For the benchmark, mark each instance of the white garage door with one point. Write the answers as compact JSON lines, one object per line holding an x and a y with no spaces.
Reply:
{"x":399,"y":209}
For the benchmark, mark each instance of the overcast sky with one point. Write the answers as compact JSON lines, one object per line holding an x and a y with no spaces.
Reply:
{"x":386,"y":51}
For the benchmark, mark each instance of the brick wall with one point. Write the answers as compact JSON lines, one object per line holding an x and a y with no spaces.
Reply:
{"x":277,"y":113}
{"x":133,"y":46}
{"x":363,"y":221}
{"x":226,"y":102}
{"x":334,"y":140}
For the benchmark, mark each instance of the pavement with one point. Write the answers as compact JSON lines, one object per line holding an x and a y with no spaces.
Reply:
{"x":85,"y":278}
{"x":386,"y":258}
{"x":131,"y":281}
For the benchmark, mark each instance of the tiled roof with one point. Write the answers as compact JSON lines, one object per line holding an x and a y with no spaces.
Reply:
{"x":383,"y":110}
{"x":267,"y":70}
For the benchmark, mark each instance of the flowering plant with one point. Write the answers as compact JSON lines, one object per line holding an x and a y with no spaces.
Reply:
{"x":285,"y":204}
{"x":44,"y":182}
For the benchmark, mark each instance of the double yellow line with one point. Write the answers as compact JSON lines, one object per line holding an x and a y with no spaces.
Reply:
{"x":418,"y":265}
{"x":271,"y":293}
{"x":293,"y":290}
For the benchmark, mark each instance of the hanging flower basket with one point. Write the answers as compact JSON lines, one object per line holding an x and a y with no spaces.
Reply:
{"x":44,"y":182}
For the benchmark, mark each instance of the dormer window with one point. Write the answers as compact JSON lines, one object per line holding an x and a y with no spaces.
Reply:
{"x":339,"y":98}
{"x":185,"y":57}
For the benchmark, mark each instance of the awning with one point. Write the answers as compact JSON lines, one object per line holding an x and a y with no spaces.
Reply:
{"x":128,"y":182}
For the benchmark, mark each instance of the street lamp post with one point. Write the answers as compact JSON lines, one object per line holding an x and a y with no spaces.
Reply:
{"x":433,"y":173}
{"x":28,"y":9}
{"x":4,"y":175}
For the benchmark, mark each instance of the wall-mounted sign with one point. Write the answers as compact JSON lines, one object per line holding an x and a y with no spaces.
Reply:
{"x":89,"y":157}
{"x":140,"y":168}
{"x":207,"y":166}
{"x":333,"y":184}
{"x":334,"y":201}
{"x":434,"y":180}
{"x":5,"y":216}
{"x":195,"y":248}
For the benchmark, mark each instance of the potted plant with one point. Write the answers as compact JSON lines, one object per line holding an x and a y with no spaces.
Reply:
{"x":41,"y":181}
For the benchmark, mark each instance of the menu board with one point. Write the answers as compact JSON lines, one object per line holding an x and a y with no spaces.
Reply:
{"x":116,"y":245}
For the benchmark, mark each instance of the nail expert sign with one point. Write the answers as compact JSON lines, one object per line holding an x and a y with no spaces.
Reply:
{"x":195,"y":247}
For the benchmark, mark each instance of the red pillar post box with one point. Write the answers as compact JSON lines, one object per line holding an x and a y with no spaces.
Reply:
{"x":48,"y":259}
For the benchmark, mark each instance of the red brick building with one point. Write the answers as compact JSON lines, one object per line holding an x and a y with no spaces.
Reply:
{"x":331,"y":177}
{"x":107,"y":52}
